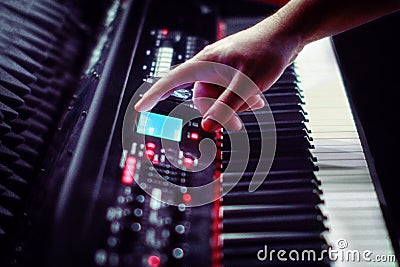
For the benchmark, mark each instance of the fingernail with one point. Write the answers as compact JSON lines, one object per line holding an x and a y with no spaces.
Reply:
{"x":142,"y":106}
{"x":209,"y":124}
{"x":137,"y":106}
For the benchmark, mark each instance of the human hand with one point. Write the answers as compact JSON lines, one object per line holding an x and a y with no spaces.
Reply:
{"x":260,"y":52}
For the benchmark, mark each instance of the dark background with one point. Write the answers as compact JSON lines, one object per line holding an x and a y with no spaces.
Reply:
{"x":369,"y":57}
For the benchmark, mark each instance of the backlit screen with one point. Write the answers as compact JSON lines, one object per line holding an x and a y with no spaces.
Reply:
{"x":160,"y":126}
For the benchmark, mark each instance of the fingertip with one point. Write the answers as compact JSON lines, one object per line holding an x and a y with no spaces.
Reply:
{"x":139,"y":106}
{"x":209,"y":124}
{"x":142,"y":105}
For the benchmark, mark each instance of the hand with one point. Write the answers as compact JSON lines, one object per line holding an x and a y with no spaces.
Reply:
{"x":260,"y":52}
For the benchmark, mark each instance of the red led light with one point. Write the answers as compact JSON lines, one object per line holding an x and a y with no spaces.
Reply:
{"x":194,"y":136}
{"x":129,"y":171}
{"x":153,"y":261}
{"x":164,"y":31}
{"x":150,"y":154}
{"x":127,"y":178}
{"x":188,"y":162}
{"x":187,"y":198}
{"x":151,"y":146}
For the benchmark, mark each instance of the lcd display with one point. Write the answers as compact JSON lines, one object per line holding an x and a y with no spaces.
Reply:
{"x":160,"y":126}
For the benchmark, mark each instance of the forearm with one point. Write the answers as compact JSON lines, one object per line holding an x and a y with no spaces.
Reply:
{"x":310,"y":20}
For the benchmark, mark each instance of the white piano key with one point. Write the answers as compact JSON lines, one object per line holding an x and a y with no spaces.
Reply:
{"x":350,"y":199}
{"x":335,"y":149}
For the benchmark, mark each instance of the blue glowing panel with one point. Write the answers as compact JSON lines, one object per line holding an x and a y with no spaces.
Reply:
{"x":160,"y":126}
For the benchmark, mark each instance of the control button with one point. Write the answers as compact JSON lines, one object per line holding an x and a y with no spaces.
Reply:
{"x":194,"y":136}
{"x":188,"y":162}
{"x":180,"y":229}
{"x":136,"y":227}
{"x":140,"y":198}
{"x":112,"y":241}
{"x":100,"y":257}
{"x":151,"y":146}
{"x":138,"y":212}
{"x":155,"y":203}
{"x":182,"y":207}
{"x":177,"y":253}
{"x":154,"y":261}
{"x":150,"y":154}
{"x":129,"y":171}
{"x":187,"y":198}
{"x":164,"y":31}
{"x":113,"y":259}
{"x":115,"y":227}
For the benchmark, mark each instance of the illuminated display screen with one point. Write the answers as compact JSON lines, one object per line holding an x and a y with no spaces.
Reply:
{"x":161,"y":126}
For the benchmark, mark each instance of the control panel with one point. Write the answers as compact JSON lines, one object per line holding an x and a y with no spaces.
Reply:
{"x":151,"y":223}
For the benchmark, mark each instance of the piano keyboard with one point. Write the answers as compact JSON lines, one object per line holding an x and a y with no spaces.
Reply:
{"x":355,"y":219}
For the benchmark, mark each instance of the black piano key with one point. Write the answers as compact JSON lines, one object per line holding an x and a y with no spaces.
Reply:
{"x":312,"y":238}
{"x":280,"y":98}
{"x":248,"y":211}
{"x":287,"y":196}
{"x":275,"y":175}
{"x":272,"y":184}
{"x":284,"y":88}
{"x":278,"y":163}
{"x":259,"y":223}
{"x":278,"y":115}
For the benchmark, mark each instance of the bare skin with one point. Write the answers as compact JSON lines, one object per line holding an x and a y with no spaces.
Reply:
{"x":262,"y":52}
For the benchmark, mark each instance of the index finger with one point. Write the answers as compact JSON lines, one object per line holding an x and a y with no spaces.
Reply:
{"x":188,"y":72}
